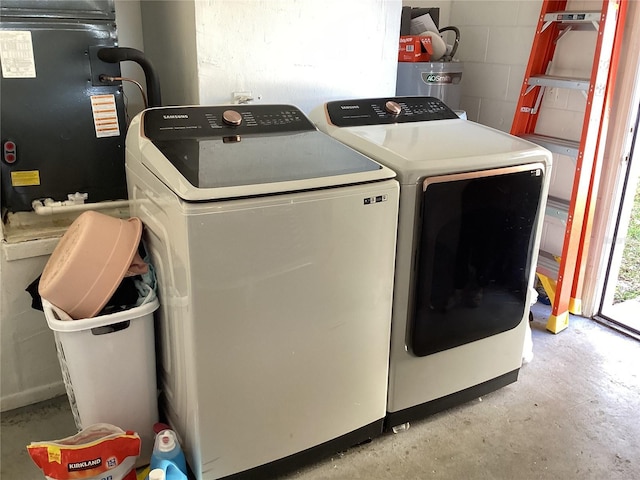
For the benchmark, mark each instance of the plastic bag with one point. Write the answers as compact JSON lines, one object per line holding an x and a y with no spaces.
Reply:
{"x":96,"y":452}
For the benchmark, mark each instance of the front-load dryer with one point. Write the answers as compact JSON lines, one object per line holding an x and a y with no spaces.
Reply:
{"x":274,"y":248}
{"x":471,"y":203}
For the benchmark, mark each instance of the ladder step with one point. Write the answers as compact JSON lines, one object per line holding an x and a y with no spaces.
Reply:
{"x":547,"y":265}
{"x":555,"y":145}
{"x":574,"y":17}
{"x":554,"y":81}
{"x":558,"y":208}
{"x":584,"y":20}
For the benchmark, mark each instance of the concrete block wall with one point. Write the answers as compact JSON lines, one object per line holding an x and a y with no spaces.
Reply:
{"x":495,"y":43}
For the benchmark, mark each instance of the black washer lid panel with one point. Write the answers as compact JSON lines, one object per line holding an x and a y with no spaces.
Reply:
{"x":373,"y":111}
{"x":174,"y":123}
{"x":280,"y":145}
{"x":214,"y":163}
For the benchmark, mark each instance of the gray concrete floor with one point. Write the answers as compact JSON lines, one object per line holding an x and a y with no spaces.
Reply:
{"x":572,"y":414}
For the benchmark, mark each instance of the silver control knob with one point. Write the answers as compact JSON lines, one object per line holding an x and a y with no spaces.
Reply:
{"x":393,"y":107}
{"x":231,"y":117}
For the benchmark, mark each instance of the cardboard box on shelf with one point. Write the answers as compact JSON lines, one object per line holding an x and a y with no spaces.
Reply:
{"x":414,"y":48}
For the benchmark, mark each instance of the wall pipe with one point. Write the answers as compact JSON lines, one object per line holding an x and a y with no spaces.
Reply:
{"x":121,"y":54}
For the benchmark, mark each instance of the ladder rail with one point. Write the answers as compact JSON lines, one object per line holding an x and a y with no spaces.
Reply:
{"x":616,"y":49}
{"x":577,"y":222}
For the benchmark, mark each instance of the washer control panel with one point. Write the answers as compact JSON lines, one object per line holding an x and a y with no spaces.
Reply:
{"x":384,"y":111}
{"x":226,"y":121}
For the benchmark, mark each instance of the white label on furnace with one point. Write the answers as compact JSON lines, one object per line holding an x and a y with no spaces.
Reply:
{"x":105,"y":115}
{"x":16,"y":54}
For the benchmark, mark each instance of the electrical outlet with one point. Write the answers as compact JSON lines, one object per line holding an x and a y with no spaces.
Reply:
{"x":242,"y":97}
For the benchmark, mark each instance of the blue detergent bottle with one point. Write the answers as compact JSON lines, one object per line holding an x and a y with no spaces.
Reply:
{"x":166,"y":450}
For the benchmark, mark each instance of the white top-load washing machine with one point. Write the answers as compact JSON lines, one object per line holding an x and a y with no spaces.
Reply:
{"x":471,"y":203}
{"x":274,"y":250}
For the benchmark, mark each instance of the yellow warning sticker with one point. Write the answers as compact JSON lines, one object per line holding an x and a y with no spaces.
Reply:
{"x":28,"y":178}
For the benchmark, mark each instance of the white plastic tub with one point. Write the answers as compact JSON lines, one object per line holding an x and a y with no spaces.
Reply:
{"x":109,"y":368}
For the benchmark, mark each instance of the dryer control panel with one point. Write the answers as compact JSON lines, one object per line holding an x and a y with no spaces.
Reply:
{"x":384,"y":111}
{"x":173,"y":123}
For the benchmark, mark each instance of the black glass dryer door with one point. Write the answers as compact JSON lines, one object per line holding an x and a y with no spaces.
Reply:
{"x":474,"y":257}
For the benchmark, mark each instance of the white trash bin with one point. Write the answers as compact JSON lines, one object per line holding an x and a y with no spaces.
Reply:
{"x":109,"y":368}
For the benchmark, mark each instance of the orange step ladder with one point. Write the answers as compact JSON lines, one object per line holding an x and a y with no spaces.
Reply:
{"x":563,"y":277}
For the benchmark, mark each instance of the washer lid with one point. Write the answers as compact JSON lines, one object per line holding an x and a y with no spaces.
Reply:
{"x":246,"y":150}
{"x":423,"y":138}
